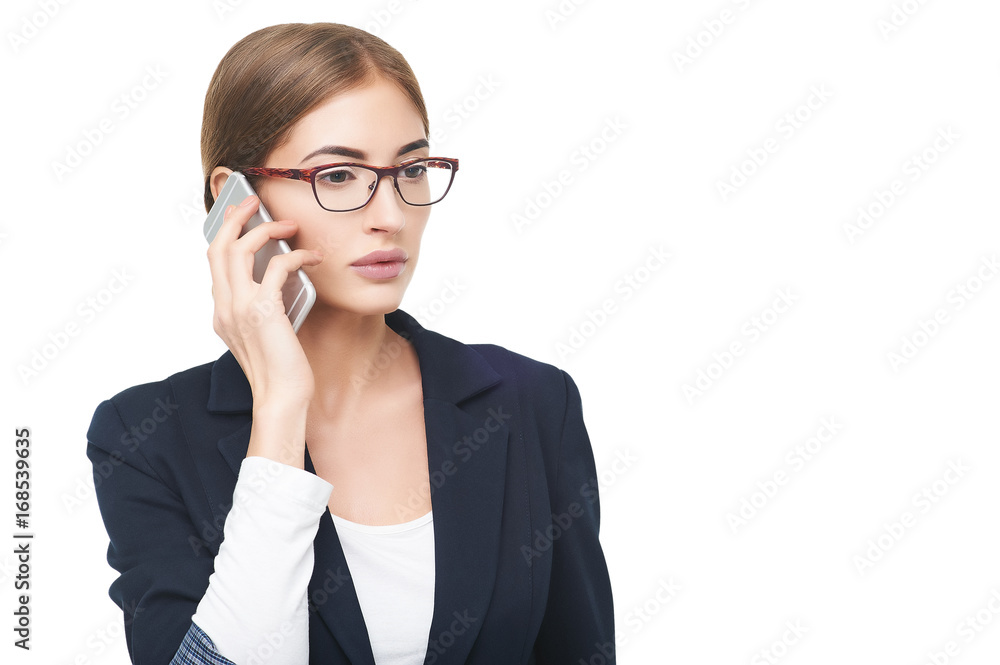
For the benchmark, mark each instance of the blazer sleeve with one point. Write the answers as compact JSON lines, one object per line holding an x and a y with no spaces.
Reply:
{"x":198,"y":649}
{"x":579,"y":623}
{"x":162,"y":573}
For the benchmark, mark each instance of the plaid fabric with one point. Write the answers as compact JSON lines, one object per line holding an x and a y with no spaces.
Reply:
{"x":198,"y":649}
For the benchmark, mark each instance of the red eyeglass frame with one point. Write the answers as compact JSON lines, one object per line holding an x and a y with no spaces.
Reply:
{"x":308,"y":175}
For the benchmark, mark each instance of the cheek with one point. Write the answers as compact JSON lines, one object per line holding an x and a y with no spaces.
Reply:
{"x":327,"y":236}
{"x":284,"y":201}
{"x":287,"y":199}
{"x":416,"y":224}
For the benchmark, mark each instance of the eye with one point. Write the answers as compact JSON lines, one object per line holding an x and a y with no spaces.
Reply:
{"x":414,"y":171}
{"x":336,"y":176}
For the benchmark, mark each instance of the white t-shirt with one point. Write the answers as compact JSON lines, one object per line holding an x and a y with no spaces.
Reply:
{"x":256,"y":596}
{"x":393,"y":571}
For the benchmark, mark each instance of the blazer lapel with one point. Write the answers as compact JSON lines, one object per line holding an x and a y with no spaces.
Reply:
{"x":466,"y":456}
{"x":467,"y":499}
{"x":332,"y":594}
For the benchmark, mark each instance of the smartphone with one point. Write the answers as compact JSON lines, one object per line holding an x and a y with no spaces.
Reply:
{"x":298,"y":292}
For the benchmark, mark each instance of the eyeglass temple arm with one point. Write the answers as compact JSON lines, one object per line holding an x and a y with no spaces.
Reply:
{"x":307,"y":174}
{"x":291,"y":174}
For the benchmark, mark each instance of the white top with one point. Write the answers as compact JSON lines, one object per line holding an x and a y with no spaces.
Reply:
{"x":393,"y":571}
{"x":255,"y":609}
{"x":256,"y":596}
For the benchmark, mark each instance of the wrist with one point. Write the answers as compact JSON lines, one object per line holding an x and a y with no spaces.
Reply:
{"x":278,"y":432}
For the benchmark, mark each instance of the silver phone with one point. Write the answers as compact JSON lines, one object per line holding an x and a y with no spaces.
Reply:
{"x":298,"y":293}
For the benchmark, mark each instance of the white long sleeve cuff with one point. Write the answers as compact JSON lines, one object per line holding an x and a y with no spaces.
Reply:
{"x":255,"y":608}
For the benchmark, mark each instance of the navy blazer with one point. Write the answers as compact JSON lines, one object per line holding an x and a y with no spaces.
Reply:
{"x":520,"y":573}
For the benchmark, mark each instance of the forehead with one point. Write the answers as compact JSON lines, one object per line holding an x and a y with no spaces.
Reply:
{"x":377,"y":119}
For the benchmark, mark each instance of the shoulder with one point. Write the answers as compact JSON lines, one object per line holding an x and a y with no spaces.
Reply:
{"x":456,"y":370}
{"x":138,"y":411}
{"x":543,"y":391}
{"x":530,"y":374}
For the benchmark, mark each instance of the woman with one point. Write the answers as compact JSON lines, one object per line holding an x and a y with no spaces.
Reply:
{"x":459,"y":479}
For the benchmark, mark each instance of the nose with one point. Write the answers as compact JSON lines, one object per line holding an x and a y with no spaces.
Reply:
{"x":385,"y":210}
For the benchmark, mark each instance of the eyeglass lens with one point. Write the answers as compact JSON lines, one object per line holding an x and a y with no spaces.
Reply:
{"x":349,"y":187}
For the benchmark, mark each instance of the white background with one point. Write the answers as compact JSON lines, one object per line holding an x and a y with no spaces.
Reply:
{"x":685,"y":461}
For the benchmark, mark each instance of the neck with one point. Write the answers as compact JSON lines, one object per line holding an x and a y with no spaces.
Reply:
{"x":346,"y":351}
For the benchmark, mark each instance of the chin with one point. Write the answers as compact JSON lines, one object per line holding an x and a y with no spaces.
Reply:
{"x":361,"y":303}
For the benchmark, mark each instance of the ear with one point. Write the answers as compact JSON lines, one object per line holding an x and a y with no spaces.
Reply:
{"x":218,"y":178}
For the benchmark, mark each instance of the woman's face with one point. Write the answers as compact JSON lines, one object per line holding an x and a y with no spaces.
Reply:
{"x":376,"y":125}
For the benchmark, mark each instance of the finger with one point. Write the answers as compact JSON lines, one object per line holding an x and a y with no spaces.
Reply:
{"x":221,"y":294}
{"x":242,"y":255}
{"x":268,"y":302}
{"x":233,"y":220}
{"x":257,"y":237}
{"x":281,"y":266}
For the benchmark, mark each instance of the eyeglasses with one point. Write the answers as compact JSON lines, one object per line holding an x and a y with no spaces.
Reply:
{"x":346,"y":186}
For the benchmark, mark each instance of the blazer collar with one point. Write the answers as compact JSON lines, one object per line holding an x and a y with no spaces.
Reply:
{"x":467,"y":508}
{"x":458,"y":372}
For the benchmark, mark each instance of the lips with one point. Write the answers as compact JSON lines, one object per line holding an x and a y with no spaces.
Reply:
{"x":381,"y":264}
{"x":381,"y":256}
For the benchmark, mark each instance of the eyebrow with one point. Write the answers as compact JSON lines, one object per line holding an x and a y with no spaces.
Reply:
{"x":358,"y":154}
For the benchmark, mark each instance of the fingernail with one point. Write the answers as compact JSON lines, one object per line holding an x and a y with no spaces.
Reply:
{"x":229,"y":209}
{"x":247,"y":201}
{"x":286,"y":221}
{"x":317,"y":254}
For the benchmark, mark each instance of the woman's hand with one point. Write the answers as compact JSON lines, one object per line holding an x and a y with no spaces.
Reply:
{"x":250,"y":318}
